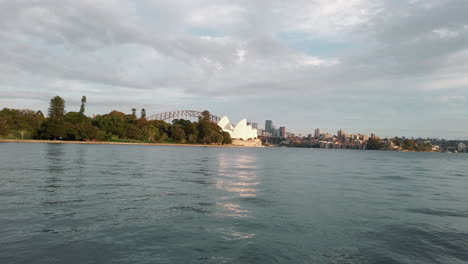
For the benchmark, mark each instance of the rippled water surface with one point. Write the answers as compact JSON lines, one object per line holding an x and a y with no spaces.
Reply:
{"x":152,"y":204}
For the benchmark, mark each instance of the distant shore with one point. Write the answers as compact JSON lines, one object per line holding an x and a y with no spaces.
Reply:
{"x":116,"y":143}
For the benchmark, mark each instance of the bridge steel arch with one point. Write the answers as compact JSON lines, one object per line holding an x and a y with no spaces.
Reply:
{"x":180,"y":114}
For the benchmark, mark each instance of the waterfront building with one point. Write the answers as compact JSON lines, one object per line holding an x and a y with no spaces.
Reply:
{"x":240,"y":131}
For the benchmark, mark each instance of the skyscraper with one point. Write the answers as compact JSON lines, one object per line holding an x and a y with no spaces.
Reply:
{"x":269,"y":126}
{"x":341,"y":134}
{"x":282,"y":132}
{"x":317,"y":133}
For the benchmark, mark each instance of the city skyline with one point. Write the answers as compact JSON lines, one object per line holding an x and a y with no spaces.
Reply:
{"x":393,"y":69}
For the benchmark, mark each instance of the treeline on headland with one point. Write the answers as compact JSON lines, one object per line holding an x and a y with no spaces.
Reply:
{"x":398,"y":143}
{"x":114,"y":126}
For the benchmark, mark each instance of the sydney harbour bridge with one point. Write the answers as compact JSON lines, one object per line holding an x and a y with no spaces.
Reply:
{"x":181,"y":114}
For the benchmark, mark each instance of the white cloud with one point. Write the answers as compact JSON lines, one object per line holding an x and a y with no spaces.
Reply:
{"x":218,"y":48}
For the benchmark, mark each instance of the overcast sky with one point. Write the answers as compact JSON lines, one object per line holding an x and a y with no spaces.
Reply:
{"x":392,"y":67}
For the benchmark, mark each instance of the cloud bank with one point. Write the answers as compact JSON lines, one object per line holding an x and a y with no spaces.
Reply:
{"x":334,"y":63}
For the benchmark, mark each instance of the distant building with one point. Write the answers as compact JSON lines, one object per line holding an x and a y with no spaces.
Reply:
{"x":282,"y":132}
{"x":275,"y":132}
{"x":461,"y":147}
{"x":341,"y":134}
{"x":373,"y":136}
{"x":269,"y":126}
{"x":240,"y":131}
{"x":317,"y":133}
{"x":255,"y":125}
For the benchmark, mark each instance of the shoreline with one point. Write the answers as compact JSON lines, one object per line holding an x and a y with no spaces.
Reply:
{"x":116,"y":143}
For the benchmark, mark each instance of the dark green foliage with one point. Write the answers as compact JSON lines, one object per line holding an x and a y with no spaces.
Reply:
{"x":4,"y":129}
{"x":374,"y":144}
{"x":178,"y":134}
{"x":151,"y":133}
{"x":20,"y":123}
{"x":76,"y":118}
{"x":54,"y":127}
{"x":209,"y":132}
{"x":114,"y":123}
{"x":206,"y":116}
{"x":82,"y":132}
{"x":83,"y":102}
{"x":411,"y":145}
{"x":133,"y":132}
{"x":115,"y":126}
{"x":226,"y":138}
{"x":57,"y":108}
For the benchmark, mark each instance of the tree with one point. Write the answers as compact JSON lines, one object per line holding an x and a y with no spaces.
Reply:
{"x":113,"y":123}
{"x":3,"y":126}
{"x":143,"y":113}
{"x":52,"y":129}
{"x":226,"y":138}
{"x":151,"y":133}
{"x":56,"y":108}
{"x":83,"y":102}
{"x":85,"y":131}
{"x":178,"y":134}
{"x":133,"y":132}
{"x":22,"y":123}
{"x":206,"y":116}
{"x":76,"y":118}
{"x":374,"y":144}
{"x":55,"y":127}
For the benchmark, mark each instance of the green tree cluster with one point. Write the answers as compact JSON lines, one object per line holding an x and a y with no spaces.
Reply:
{"x":114,"y":126}
{"x":375,"y":144}
{"x":17,"y":123}
{"x":412,"y":145}
{"x":404,"y":144}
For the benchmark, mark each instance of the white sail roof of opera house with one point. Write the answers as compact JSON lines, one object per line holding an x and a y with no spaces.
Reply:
{"x":240,"y":131}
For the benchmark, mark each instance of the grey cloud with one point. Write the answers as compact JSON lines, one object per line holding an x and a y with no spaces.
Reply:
{"x":61,"y":39}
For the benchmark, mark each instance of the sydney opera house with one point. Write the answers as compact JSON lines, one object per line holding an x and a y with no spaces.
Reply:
{"x":242,"y":134}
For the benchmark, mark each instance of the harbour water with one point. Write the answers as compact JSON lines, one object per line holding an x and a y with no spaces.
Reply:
{"x":64,"y":203}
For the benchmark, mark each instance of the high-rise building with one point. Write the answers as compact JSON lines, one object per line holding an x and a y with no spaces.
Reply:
{"x":317,"y":133}
{"x":269,"y":126}
{"x":255,"y":125}
{"x":341,"y":134}
{"x":282,"y":132}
